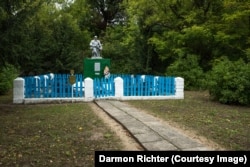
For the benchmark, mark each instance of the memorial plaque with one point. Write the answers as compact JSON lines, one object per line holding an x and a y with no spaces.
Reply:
{"x":72,"y":79}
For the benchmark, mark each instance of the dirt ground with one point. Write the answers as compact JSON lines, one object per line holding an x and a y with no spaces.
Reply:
{"x":131,"y":144}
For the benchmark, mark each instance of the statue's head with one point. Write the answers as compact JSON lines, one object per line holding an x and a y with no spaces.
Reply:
{"x":95,"y":37}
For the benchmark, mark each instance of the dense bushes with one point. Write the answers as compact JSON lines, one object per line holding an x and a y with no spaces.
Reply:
{"x":229,"y":82}
{"x":189,"y":69}
{"x":7,"y":74}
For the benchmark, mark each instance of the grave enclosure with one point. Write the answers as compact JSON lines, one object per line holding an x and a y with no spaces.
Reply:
{"x":93,"y":85}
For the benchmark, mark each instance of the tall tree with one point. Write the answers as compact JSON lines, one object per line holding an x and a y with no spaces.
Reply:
{"x":104,"y":13}
{"x":41,"y":36}
{"x":13,"y":15}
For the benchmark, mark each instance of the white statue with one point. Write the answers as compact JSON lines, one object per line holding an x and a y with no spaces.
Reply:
{"x":96,"y":47}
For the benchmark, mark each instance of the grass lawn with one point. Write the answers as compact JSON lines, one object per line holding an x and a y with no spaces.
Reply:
{"x":68,"y":134}
{"x":227,"y":125}
{"x":51,"y":135}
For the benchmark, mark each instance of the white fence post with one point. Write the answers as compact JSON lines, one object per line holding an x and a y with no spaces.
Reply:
{"x":18,"y":90}
{"x":179,"y":88}
{"x":119,"y":87}
{"x":89,"y":89}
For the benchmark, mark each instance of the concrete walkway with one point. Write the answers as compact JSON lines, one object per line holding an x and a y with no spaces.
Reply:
{"x":149,"y":132}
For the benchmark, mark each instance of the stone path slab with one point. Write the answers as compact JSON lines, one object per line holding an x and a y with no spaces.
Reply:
{"x":147,"y":130}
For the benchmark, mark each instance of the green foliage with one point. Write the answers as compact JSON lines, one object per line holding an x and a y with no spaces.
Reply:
{"x":229,"y":82}
{"x":68,"y":44}
{"x":42,"y":38}
{"x":118,"y":51}
{"x":104,"y":13}
{"x":139,"y":36}
{"x":189,"y":69}
{"x":7,"y":74}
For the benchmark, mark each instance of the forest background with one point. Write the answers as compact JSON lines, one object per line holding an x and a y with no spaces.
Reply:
{"x":207,"y":42}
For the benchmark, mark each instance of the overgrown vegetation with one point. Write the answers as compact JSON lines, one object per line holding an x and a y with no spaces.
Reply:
{"x":226,"y":125}
{"x":7,"y":74}
{"x":229,"y":82}
{"x":177,"y":37}
{"x":189,"y":69}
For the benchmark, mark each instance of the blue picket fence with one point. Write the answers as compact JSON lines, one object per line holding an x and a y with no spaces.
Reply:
{"x":53,"y":86}
{"x":104,"y":87}
{"x":58,"y":86}
{"x":136,"y":85}
{"x":147,"y":85}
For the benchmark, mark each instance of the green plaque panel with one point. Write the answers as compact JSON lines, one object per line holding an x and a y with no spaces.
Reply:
{"x":93,"y":68}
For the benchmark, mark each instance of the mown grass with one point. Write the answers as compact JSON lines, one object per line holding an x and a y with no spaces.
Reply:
{"x":227,"y":125}
{"x":51,"y":135}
